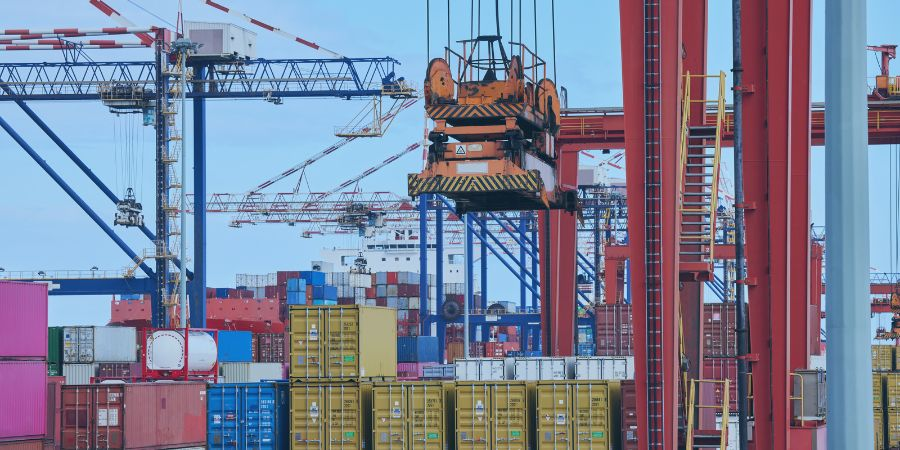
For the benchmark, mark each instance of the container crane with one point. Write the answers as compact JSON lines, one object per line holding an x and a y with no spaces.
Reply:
{"x":886,"y":86}
{"x":493,"y":141}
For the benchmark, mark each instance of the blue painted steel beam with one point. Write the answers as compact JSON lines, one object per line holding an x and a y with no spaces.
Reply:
{"x":481,"y":236}
{"x":100,"y":286}
{"x":499,"y":244}
{"x":522,"y":257}
{"x":423,"y":256}
{"x":198,"y":287}
{"x":78,"y":200}
{"x":258,"y":78}
{"x":470,"y":266}
{"x":439,"y":275}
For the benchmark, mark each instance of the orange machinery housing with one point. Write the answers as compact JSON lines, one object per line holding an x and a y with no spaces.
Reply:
{"x":493,"y":141}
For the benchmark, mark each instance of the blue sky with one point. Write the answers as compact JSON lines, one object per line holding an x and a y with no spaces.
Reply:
{"x":250,"y":140}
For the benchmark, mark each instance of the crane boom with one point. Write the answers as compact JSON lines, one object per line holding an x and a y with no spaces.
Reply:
{"x":145,"y":38}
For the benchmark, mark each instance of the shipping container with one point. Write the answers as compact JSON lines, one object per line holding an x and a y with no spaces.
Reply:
{"x":54,"y":410}
{"x":235,"y":346}
{"x":417,"y":349}
{"x":604,"y":368}
{"x":248,"y":416}
{"x":877,"y":390}
{"x":481,"y":369}
{"x":54,"y":351}
{"x":878,"y":418}
{"x":534,"y":369}
{"x":721,"y":369}
{"x":79,"y":373}
{"x":629,"y":419}
{"x":439,"y":372}
{"x":893,"y":427}
{"x":343,"y":342}
{"x":134,"y":416}
{"x":892,"y":390}
{"x":270,"y":347}
{"x":614,"y":330}
{"x":23,"y":314}
{"x":882,"y":358}
{"x":409,"y":416}
{"x":492,"y":415}
{"x":23,"y":399}
{"x":99,"y":344}
{"x":250,"y":372}
{"x":574,"y":415}
{"x":719,"y":324}
{"x":327,"y":416}
{"x":118,"y":371}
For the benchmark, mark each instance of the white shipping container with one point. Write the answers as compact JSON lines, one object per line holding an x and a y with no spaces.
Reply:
{"x":480,"y":369}
{"x":361,"y":280}
{"x":535,"y":369}
{"x":115,"y":344}
{"x":733,"y":425}
{"x":604,"y":368}
{"x":79,"y":373}
{"x":78,"y":345}
{"x":243,"y":372}
{"x":221,"y":40}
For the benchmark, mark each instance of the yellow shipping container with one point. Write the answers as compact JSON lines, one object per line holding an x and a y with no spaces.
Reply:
{"x":891,"y":390}
{"x":877,"y":390}
{"x":893,"y":427}
{"x":491,"y":415}
{"x":343,"y":342}
{"x":883,"y":358}
{"x":409,"y":416}
{"x":878,"y":415}
{"x":574,"y":415}
{"x":326,"y":416}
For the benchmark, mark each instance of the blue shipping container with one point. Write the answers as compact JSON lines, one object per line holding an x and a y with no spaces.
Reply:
{"x":296,"y":285}
{"x":417,"y":349}
{"x":296,"y":298}
{"x":330,"y":293}
{"x":586,"y":349}
{"x":248,"y":416}
{"x":235,"y":346}
{"x":222,"y":292}
{"x":312,"y":277}
{"x":324,"y":302}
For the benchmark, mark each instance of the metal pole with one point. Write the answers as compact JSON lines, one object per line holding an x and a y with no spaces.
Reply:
{"x":484,"y":256}
{"x":423,"y":257}
{"x":182,"y":252}
{"x":740,"y":307}
{"x":198,"y":282}
{"x":439,"y":277}
{"x":847,"y":221}
{"x":467,"y":272}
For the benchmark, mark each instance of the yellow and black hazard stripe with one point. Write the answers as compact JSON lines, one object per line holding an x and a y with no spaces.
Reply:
{"x":439,"y":112}
{"x":528,"y":182}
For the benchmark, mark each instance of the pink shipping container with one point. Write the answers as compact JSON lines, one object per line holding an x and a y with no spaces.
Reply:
{"x":22,"y":445}
{"x":134,"y":416}
{"x":23,"y":320}
{"x":23,"y":389}
{"x":412,"y":371}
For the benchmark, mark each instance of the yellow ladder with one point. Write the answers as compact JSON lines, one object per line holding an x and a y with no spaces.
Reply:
{"x":698,"y":176}
{"x":694,"y":407}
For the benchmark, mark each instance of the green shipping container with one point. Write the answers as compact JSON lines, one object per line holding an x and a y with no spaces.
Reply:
{"x":54,"y":351}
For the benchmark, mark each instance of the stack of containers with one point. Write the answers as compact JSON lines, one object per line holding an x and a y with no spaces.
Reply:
{"x":414,"y":353}
{"x":585,"y":340}
{"x":129,"y":311}
{"x":317,"y":291}
{"x":296,"y":291}
{"x":614,"y":330}
{"x":401,"y":291}
{"x":259,"y":315}
{"x":23,"y":364}
{"x":353,"y":288}
{"x":248,"y":415}
{"x":886,"y":396}
{"x":89,"y":352}
{"x":720,"y":348}
{"x":237,"y":363}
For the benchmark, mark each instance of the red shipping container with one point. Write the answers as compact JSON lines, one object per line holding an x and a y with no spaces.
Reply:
{"x":23,"y":314}
{"x":23,"y":390}
{"x":134,"y":416}
{"x":719,"y":324}
{"x":118,"y":371}
{"x":271,"y":347}
{"x":719,"y":369}
{"x":272,"y":291}
{"x":629,"y":419}
{"x":614,"y":331}
{"x":281,"y":277}
{"x":381,"y":301}
{"x":281,"y":292}
{"x":254,"y":347}
{"x":246,"y":325}
{"x":392,"y":277}
{"x":371,"y":292}
{"x":402,"y":330}
{"x":132,"y":313}
{"x":210,"y":292}
{"x":22,"y":445}
{"x":346,"y":301}
{"x":54,"y":408}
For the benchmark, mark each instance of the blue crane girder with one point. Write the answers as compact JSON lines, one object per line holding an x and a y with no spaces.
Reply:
{"x":254,"y":78}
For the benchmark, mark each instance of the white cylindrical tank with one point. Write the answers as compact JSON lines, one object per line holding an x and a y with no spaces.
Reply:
{"x":165,"y":351}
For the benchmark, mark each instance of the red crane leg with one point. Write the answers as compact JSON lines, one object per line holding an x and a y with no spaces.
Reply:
{"x":558,"y":312}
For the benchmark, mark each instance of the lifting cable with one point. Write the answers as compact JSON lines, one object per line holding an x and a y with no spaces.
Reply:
{"x":553,"y":26}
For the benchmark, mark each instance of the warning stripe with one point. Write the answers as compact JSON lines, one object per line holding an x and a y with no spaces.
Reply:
{"x":530,"y":182}
{"x":474,"y":111}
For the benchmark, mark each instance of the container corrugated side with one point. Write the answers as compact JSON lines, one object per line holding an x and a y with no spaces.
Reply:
{"x":79,"y":373}
{"x":240,"y":372}
{"x":235,"y":346}
{"x":628,"y":418}
{"x":23,"y":314}
{"x":893,"y":427}
{"x":115,"y":344}
{"x":248,"y":415}
{"x":480,"y":369}
{"x":534,"y":369}
{"x":594,"y":414}
{"x":78,"y":345}
{"x":32,"y":444}
{"x":491,"y":415}
{"x":54,"y":351}
{"x":134,"y":416}
{"x":23,"y":399}
{"x":409,"y":416}
{"x":892,"y":390}
{"x":326,"y":416}
{"x":882,"y":358}
{"x":878,"y":419}
{"x":877,"y":390}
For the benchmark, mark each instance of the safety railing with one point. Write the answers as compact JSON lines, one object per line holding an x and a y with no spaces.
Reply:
{"x":694,"y":407}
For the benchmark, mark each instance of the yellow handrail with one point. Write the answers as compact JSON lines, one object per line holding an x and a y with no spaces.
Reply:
{"x":692,"y":406}
{"x":685,"y":119}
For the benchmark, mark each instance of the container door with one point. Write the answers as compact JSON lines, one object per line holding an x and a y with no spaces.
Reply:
{"x":554,"y":419}
{"x":307,"y":417}
{"x":591,"y":416}
{"x":473,"y":417}
{"x":391,"y":413}
{"x":222,"y":430}
{"x":70,"y":345}
{"x":510,"y":405}
{"x":109,"y":419}
{"x":344,"y":417}
{"x":307,"y":343}
{"x":426,"y":416}
{"x":343,"y":343}
{"x":259,"y":403}
{"x":77,"y":417}
{"x":86,"y":344}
